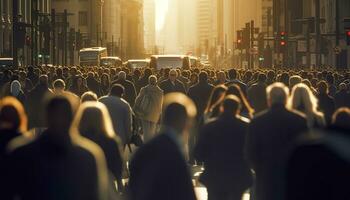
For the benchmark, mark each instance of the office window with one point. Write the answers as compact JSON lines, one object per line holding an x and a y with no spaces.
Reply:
{"x":83,"y":18}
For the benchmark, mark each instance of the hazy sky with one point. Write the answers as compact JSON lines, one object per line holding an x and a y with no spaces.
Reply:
{"x":161,"y":10}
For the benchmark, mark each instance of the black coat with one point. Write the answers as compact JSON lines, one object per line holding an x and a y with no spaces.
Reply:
{"x":130,"y":91}
{"x":220,"y":147}
{"x":168,"y":87}
{"x":319,"y":167}
{"x":257,"y":96}
{"x":270,"y":134}
{"x":200,"y":94}
{"x":54,"y":168}
{"x":327,"y":106}
{"x":35,"y":106}
{"x":159,"y":171}
{"x":342,"y":99}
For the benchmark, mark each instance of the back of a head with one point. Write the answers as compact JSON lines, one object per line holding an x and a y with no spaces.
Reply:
{"x":302,"y":98}
{"x":59,"y":112}
{"x":88,"y":96}
{"x":92,"y":119}
{"x":231,"y":105}
{"x":12,"y":115}
{"x":122,"y":75}
{"x":322,"y":87}
{"x":293,"y":80}
{"x":203,"y":76}
{"x":152,"y":80}
{"x":232,"y":73}
{"x":59,"y":84}
{"x":178,"y":111}
{"x":277,"y":93}
{"x":117,"y":90}
{"x":341,"y":118}
{"x":44,"y":80}
{"x":261,"y":77}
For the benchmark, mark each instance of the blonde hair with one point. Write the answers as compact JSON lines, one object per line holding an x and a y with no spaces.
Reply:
{"x":93,"y":118}
{"x":302,"y":96}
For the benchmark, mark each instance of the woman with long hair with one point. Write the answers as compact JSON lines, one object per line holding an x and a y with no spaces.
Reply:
{"x":78,"y":86}
{"x":93,"y":122}
{"x":303,"y":100}
{"x":246,"y":111}
{"x":213,"y":107}
{"x":13,"y":121}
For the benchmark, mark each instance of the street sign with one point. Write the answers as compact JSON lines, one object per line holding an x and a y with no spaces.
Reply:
{"x":337,"y":50}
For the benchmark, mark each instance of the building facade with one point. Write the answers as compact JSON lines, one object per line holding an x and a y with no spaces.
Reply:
{"x":25,"y":18}
{"x":132,"y":29}
{"x":149,"y":16}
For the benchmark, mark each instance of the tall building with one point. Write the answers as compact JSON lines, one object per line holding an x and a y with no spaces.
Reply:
{"x":25,"y":14}
{"x":132,"y":29}
{"x":187,"y":30}
{"x":111,"y":26}
{"x":205,"y":13}
{"x":149,"y":16}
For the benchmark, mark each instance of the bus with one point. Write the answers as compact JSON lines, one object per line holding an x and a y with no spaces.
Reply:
{"x":170,"y":61}
{"x":92,"y":56}
{"x":137,"y":63}
{"x":111,"y":62}
{"x":195,"y":63}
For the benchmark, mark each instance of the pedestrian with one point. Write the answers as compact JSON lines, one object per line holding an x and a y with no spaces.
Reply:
{"x":57,"y":164}
{"x":212,"y":109}
{"x":120,"y":113}
{"x":304,"y":101}
{"x":257,"y":94}
{"x":226,"y":173}
{"x":172,"y":84}
{"x":326,"y":103}
{"x":129,"y":88}
{"x":269,"y":135}
{"x":148,"y":107}
{"x":93,"y":122}
{"x":151,"y":168}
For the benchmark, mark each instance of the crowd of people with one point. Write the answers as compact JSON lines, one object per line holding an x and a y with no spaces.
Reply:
{"x":281,"y":134}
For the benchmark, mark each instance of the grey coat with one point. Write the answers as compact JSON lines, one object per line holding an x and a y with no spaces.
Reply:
{"x":121,"y":116}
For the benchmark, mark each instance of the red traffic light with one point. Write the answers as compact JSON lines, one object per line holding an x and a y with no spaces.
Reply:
{"x":283,"y":43}
{"x":283,"y":33}
{"x":239,"y":41}
{"x":348,"y":33}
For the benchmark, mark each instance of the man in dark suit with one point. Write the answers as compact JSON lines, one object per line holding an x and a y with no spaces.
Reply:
{"x":172,"y":84}
{"x":257,"y":94}
{"x":56,"y":165}
{"x":220,"y":147}
{"x":269,"y":135}
{"x":159,"y":169}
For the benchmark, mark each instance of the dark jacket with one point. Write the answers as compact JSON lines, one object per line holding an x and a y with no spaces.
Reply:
{"x":342,"y":99}
{"x":5,"y":137}
{"x":318,"y":168}
{"x":159,"y":171}
{"x":168,"y":87}
{"x":34,"y":105}
{"x":112,"y":151}
{"x":270,"y":134}
{"x":242,"y":85}
{"x":130,"y":91}
{"x":257,"y":96}
{"x":53,"y":167}
{"x":327,"y":106}
{"x":200,"y":93}
{"x":220,"y":147}
{"x":93,"y":85}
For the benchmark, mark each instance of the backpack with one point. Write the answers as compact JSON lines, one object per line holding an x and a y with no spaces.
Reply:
{"x":145,"y":106}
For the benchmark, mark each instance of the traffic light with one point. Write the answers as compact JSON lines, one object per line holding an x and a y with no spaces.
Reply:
{"x":261,"y":45}
{"x":239,"y":40}
{"x":283,"y":39}
{"x":347,"y":32}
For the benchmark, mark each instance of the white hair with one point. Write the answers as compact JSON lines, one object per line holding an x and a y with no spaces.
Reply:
{"x":277,"y":93}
